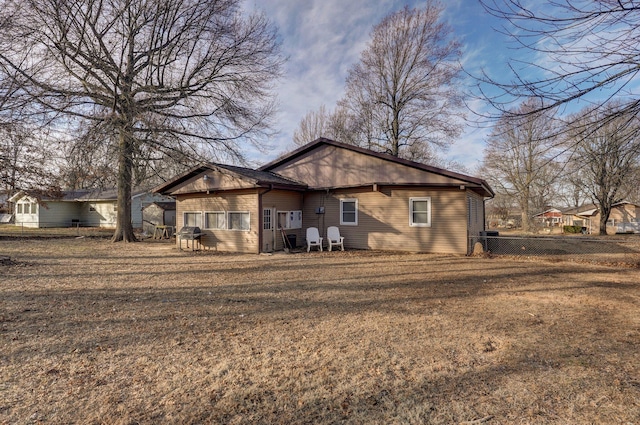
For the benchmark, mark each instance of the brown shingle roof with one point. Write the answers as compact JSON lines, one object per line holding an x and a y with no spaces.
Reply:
{"x":263,"y":177}
{"x":260,"y":178}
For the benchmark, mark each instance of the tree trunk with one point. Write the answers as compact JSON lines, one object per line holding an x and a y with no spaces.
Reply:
{"x":395,"y":134}
{"x":524,"y":205}
{"x":124,"y":227}
{"x":605,"y":212}
{"x":525,"y":220}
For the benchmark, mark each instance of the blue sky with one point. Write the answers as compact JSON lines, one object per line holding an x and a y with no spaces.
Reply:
{"x":324,"y":38}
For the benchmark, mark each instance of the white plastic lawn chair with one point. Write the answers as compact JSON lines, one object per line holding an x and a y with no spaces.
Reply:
{"x":334,"y":238}
{"x":313,"y":238}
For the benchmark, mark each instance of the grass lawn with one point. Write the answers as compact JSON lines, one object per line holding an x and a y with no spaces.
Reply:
{"x":94,"y":332}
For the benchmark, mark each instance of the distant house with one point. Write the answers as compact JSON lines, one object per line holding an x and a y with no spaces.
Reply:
{"x":551,"y":217}
{"x":90,"y":207}
{"x":624,"y":217}
{"x":378,"y":201}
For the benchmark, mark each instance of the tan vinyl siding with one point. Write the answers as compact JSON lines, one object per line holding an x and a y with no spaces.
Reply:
{"x":281,"y":200}
{"x":619,"y":214}
{"x":624,"y":213}
{"x":233,"y":201}
{"x":215,"y":181}
{"x":383,"y":219}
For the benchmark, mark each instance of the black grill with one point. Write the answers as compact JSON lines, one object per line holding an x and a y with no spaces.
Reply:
{"x":189,"y":233}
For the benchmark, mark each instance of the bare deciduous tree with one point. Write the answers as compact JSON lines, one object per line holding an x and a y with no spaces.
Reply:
{"x":88,"y":162}
{"x":571,"y":188}
{"x":21,"y":160}
{"x":577,"y":51}
{"x":23,"y":155}
{"x":313,"y":125}
{"x":607,"y":153}
{"x":499,"y":210}
{"x":402,"y":93}
{"x":169,"y":75}
{"x":519,"y":159}
{"x":338,"y":125}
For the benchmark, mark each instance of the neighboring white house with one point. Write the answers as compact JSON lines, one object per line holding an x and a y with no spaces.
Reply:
{"x":91,"y":208}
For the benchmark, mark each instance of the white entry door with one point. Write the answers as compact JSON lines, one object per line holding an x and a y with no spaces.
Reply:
{"x":268,"y":229}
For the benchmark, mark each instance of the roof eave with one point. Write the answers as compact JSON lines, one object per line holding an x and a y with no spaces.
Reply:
{"x":293,"y":186}
{"x":17,"y":196}
{"x":471,"y":186}
{"x":163,"y":188}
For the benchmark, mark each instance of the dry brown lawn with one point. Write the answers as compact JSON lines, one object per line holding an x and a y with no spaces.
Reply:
{"x":93,"y":332}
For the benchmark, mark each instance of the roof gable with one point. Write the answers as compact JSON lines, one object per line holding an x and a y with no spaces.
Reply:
{"x":214,"y":177}
{"x":551,"y":212}
{"x":18,"y":196}
{"x":326,"y":163}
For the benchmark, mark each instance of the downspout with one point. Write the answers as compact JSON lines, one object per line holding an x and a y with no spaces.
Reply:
{"x":484,"y":214}
{"x":261,"y":218}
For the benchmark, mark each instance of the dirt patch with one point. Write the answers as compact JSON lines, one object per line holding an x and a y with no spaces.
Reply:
{"x":94,"y":332}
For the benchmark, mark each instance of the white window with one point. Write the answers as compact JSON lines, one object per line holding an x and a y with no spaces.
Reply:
{"x":290,"y":219}
{"x":282,"y":220}
{"x":26,"y":208}
{"x":34,"y":208}
{"x":420,"y":212}
{"x":295,"y":219}
{"x":193,"y":219}
{"x":349,"y":212}
{"x":239,"y":220}
{"x":215,"y":220}
{"x":18,"y":208}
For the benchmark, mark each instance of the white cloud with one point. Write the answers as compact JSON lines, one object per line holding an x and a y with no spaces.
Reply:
{"x":323,"y":39}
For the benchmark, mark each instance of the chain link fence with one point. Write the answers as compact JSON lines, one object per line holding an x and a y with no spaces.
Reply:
{"x":29,"y":230}
{"x":578,"y":248}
